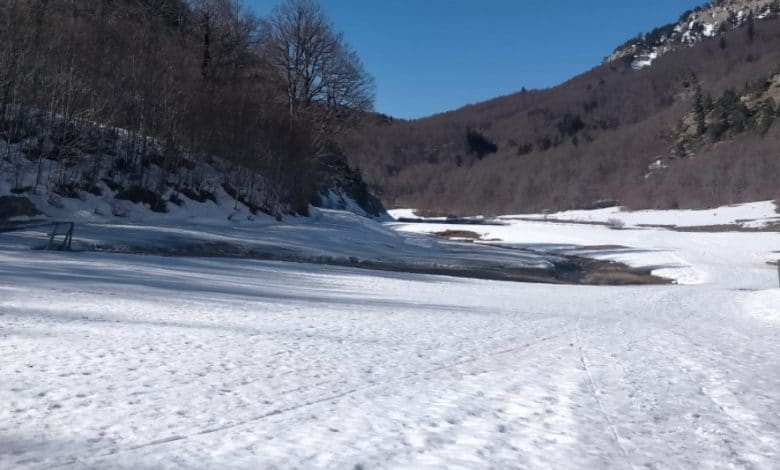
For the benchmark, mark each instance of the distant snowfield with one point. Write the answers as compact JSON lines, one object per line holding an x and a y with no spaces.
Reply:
{"x":731,"y":259}
{"x":750,"y":215}
{"x":129,"y":361}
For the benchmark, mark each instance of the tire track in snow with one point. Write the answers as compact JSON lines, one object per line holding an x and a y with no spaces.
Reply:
{"x":592,"y":386}
{"x":703,"y":391}
{"x":684,"y":335}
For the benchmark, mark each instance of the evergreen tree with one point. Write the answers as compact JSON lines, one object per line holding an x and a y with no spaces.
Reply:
{"x":731,"y":20}
{"x":765,"y":115}
{"x":699,"y":111}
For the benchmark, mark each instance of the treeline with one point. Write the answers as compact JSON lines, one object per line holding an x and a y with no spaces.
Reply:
{"x":146,"y":89}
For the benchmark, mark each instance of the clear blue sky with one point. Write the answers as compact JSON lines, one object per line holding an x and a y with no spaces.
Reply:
{"x":430,"y":56}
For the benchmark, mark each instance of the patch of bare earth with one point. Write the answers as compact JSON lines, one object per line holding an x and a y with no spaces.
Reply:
{"x":615,"y":274}
{"x":769,"y":227}
{"x":459,"y":234}
{"x":603,"y":247}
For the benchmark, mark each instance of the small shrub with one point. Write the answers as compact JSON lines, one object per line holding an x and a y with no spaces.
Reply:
{"x":119,"y":210}
{"x":570,"y":124}
{"x":176,"y":199}
{"x":153,"y":157}
{"x":139,"y":195}
{"x":200,"y":195}
{"x":122,"y":165}
{"x":230,"y":190}
{"x":68,"y":189}
{"x":12,"y":206}
{"x":112,"y":185}
{"x":92,"y":189}
{"x":544,"y":143}
{"x":525,"y":149}
{"x":615,"y":223}
{"x":14,"y":131}
{"x":21,"y":189}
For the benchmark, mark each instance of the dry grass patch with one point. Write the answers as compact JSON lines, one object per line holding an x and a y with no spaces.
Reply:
{"x":773,"y":226}
{"x":613,"y":274}
{"x":460,"y":234}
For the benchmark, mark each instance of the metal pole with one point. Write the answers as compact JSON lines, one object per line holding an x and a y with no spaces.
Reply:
{"x":51,"y":237}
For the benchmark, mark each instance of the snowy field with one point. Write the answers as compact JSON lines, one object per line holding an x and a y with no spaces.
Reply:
{"x":128,"y":361}
{"x":750,"y":215}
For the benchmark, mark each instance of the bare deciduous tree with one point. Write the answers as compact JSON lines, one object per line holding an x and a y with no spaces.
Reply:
{"x":324,"y":80}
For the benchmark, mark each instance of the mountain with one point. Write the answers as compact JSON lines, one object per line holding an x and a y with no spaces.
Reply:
{"x":693,"y":127}
{"x":693,"y":27}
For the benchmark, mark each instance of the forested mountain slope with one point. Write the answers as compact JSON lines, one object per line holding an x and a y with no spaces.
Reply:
{"x":695,"y":129}
{"x":176,"y":102}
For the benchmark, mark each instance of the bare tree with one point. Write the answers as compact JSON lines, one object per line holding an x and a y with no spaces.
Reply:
{"x":325,"y":82}
{"x":144,"y":88}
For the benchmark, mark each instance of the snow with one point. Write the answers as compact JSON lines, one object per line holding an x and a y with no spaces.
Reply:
{"x":644,"y":60}
{"x":657,"y":165}
{"x":335,"y":237}
{"x":754,"y":214}
{"x":686,"y":32}
{"x":337,"y":199}
{"x":763,"y":305}
{"x":686,"y":257}
{"x":128,"y":361}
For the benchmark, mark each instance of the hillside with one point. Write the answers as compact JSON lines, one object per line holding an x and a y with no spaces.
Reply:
{"x":693,"y":27}
{"x":174,"y":103}
{"x":697,"y":128}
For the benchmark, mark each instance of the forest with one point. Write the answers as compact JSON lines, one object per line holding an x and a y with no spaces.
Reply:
{"x":134,"y":94}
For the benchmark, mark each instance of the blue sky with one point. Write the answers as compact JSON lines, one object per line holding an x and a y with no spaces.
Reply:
{"x":430,"y":56}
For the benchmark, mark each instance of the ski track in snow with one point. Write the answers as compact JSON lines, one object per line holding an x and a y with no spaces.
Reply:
{"x":125,"y":361}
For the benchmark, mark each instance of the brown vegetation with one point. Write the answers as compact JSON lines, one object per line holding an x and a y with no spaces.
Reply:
{"x":16,"y":206}
{"x":462,"y":234}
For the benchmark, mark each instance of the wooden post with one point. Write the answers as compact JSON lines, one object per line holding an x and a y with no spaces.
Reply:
{"x":69,"y":237}
{"x":51,"y":237}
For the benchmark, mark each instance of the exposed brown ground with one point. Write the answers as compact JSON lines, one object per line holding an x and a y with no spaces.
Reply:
{"x":459,"y":234}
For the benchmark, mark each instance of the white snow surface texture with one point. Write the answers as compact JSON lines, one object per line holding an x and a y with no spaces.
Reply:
{"x":130,"y":361}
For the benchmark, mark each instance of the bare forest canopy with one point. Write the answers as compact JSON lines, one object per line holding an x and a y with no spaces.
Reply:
{"x":136,"y":85}
{"x":698,"y":128}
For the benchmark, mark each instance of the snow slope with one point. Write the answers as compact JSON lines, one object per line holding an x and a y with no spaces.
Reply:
{"x":127,"y":361}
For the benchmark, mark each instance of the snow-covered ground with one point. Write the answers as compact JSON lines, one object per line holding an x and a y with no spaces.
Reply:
{"x":750,"y":215}
{"x":129,"y":361}
{"x":729,"y":259}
